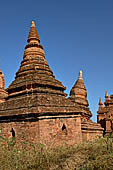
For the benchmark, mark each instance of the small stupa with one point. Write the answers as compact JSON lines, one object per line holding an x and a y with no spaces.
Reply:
{"x":78,"y":93}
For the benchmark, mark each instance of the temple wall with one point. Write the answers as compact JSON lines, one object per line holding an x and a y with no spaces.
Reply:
{"x":46,"y":131}
{"x":88,"y":135}
{"x":108,"y":126}
{"x":24,"y":131}
{"x":51,"y":131}
{"x":91,"y":131}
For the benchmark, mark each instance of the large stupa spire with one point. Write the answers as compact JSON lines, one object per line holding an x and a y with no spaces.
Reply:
{"x":34,"y":70}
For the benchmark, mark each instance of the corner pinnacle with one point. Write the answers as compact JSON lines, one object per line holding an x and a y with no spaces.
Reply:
{"x":106,"y":95}
{"x":100,"y":101}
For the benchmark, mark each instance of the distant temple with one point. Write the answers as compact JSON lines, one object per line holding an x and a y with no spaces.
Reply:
{"x":105,"y":114}
{"x":34,"y":107}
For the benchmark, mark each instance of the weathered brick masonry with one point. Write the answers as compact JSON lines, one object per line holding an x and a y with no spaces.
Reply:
{"x":36,"y":107}
{"x":105,"y":114}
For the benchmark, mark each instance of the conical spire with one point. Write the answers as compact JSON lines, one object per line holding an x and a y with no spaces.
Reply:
{"x":2,"y":82}
{"x":106,"y":96}
{"x":34,"y":70}
{"x":100,"y":104}
{"x":3,"y":93}
{"x":33,"y":34}
{"x":78,"y":92}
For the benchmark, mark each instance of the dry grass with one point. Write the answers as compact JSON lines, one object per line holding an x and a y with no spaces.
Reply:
{"x":86,"y":156}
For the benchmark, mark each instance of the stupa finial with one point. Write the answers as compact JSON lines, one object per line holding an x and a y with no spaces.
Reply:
{"x":33,"y":34}
{"x":80,"y":75}
{"x":33,"y":24}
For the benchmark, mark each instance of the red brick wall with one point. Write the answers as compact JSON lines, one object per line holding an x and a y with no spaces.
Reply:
{"x":89,"y":135}
{"x":46,"y":131}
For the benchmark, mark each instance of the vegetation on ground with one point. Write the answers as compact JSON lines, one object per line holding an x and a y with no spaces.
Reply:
{"x":94,"y":155}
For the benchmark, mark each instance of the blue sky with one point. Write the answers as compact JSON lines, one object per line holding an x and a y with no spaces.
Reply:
{"x":76,"y":35}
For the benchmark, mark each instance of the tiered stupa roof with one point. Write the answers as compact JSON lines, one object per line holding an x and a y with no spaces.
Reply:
{"x":34,"y":72}
{"x":35,"y":91}
{"x":78,"y":92}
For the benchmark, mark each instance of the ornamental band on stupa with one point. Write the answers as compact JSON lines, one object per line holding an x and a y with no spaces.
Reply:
{"x":35,"y":106}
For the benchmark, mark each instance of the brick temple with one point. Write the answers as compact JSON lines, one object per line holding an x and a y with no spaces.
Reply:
{"x":105,"y":114}
{"x":34,"y":107}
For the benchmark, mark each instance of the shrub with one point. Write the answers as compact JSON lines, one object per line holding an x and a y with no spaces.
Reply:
{"x":86,"y":156}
